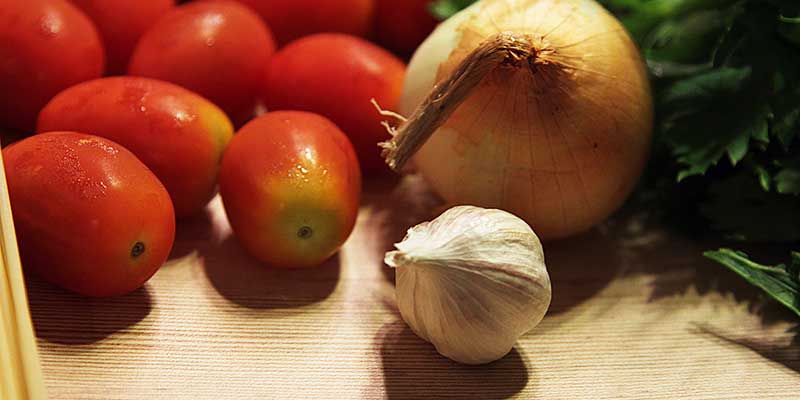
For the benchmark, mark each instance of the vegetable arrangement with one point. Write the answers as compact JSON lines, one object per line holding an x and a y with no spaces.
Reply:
{"x":539,"y":114}
{"x":726,"y":79}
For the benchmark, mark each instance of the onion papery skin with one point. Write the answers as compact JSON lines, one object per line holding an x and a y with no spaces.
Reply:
{"x":560,"y":141}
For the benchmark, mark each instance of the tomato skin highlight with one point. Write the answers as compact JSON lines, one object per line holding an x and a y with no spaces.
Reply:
{"x":336,"y":76}
{"x":178,"y":134}
{"x":121,"y":23}
{"x":293,"y":19}
{"x":45,"y":47}
{"x":403,"y":25}
{"x":290,"y":185}
{"x":217,"y":49}
{"x":83,"y":208}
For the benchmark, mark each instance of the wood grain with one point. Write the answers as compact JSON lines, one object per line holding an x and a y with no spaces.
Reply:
{"x":636,"y":314}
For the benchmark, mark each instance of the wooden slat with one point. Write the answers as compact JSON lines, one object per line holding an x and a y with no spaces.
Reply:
{"x":21,"y":373}
{"x":636,"y":314}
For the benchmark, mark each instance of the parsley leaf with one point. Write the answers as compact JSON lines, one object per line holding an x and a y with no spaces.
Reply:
{"x":443,"y":9}
{"x":782,"y":282}
{"x":742,"y":210}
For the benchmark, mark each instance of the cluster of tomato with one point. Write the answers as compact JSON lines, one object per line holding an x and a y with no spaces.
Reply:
{"x":95,"y":193}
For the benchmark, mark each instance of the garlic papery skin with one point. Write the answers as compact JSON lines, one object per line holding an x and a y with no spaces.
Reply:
{"x":471,"y":282}
{"x":557,"y":131}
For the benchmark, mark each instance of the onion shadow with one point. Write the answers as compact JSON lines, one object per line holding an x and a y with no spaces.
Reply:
{"x":245,"y":281}
{"x":63,"y":317}
{"x":394,"y":209}
{"x":412,"y":369}
{"x":580,"y":267}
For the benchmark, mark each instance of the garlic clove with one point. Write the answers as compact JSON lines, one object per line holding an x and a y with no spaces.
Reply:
{"x":471,"y":282}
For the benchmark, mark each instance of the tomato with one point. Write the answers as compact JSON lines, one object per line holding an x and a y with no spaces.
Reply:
{"x":45,"y":46}
{"x":402,"y":25}
{"x":216,"y":48}
{"x":179,"y":135}
{"x":121,"y":23}
{"x":89,"y":216}
{"x":337,"y":75}
{"x":292,"y":19}
{"x":290,"y":185}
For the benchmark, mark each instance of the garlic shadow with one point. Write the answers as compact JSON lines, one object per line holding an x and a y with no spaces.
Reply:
{"x":580,"y":267}
{"x":247,"y":282}
{"x":412,"y":369}
{"x":63,"y":317}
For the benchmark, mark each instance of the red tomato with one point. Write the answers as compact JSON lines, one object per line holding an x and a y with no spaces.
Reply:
{"x":179,"y":135}
{"x":292,"y":19}
{"x":45,"y":46}
{"x":216,"y":48}
{"x":89,"y":216}
{"x":121,"y":23}
{"x":403,"y":25}
{"x":336,"y":76}
{"x":290,"y":185}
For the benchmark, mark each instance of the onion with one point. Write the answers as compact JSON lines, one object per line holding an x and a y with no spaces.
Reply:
{"x":538,"y":107}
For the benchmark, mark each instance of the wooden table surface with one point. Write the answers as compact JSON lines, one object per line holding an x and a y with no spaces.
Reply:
{"x":636,"y":314}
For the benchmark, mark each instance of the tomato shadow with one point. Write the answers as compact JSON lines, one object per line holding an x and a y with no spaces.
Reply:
{"x":67,"y":318}
{"x":412,"y":369}
{"x":245,"y":281}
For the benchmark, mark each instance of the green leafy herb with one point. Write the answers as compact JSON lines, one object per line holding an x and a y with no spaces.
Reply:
{"x":444,"y":9}
{"x":782,"y":282}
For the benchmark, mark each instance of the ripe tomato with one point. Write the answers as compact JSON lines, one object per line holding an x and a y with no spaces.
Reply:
{"x":402,"y":25}
{"x":89,"y":216}
{"x":292,"y":19}
{"x":179,"y":135}
{"x":121,"y":23}
{"x":215,"y":48}
{"x":45,"y":46}
{"x":337,"y":75}
{"x":290,"y":185}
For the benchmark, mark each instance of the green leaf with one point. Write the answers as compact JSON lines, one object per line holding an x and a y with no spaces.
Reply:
{"x":786,"y":122}
{"x":444,"y":9}
{"x":789,"y":28}
{"x":700,"y":140}
{"x":764,"y":178}
{"x":705,"y":87}
{"x":776,"y":281}
{"x":739,"y":207}
{"x":787,"y":180}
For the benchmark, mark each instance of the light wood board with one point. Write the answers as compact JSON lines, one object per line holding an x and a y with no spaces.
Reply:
{"x":636,"y":314}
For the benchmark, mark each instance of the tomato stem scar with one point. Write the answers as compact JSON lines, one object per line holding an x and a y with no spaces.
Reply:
{"x":137,"y":249}
{"x":305,"y":232}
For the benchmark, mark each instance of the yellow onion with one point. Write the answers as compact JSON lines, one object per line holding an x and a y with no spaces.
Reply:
{"x":538,"y":107}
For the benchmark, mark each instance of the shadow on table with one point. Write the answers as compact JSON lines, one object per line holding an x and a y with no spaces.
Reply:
{"x":397,"y":208}
{"x":580,"y":267}
{"x":785,"y":354}
{"x":192,"y":232}
{"x":412,"y":369}
{"x":247,"y":282}
{"x":63,"y":317}
{"x":677,"y":266}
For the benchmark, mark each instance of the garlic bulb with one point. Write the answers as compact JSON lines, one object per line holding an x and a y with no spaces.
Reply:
{"x":471,"y":282}
{"x":538,"y":107}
